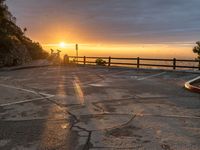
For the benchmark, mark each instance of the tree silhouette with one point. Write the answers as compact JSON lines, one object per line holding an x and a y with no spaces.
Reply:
{"x":196,"y":50}
{"x":25,"y":29}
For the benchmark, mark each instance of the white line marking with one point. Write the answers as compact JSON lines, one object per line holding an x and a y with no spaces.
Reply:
{"x":172,"y":116}
{"x":26,"y":90}
{"x":154,"y":75}
{"x":25,"y":101}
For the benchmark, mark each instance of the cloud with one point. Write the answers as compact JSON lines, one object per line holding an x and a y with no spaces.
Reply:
{"x":114,"y":21}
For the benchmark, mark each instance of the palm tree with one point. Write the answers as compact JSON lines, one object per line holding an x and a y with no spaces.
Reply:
{"x":196,"y":50}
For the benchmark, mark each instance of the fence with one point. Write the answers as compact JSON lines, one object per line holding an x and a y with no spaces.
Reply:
{"x":140,"y":62}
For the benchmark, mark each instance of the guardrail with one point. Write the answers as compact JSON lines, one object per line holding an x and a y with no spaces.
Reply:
{"x":140,"y":62}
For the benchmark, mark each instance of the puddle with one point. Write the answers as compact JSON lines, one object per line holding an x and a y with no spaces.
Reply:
{"x":97,"y":85}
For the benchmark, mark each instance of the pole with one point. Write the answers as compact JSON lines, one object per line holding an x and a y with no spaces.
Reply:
{"x":109,"y":61}
{"x":174,"y":63}
{"x":138,"y":62}
{"x":84,"y":60}
{"x":77,"y":53}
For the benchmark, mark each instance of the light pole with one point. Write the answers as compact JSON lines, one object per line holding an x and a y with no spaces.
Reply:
{"x":77,"y":53}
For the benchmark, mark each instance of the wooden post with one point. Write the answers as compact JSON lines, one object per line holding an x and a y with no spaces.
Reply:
{"x":199,"y":64}
{"x":138,"y":62}
{"x":174,"y":63}
{"x":109,"y":61}
{"x":84,"y":60}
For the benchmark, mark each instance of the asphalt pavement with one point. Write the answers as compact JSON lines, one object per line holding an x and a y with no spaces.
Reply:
{"x":81,"y":108}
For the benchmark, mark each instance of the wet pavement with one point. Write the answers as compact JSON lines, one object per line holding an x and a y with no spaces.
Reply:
{"x":81,"y":108}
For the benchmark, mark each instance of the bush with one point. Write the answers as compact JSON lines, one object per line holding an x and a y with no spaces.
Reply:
{"x":100,"y":62}
{"x":196,"y":50}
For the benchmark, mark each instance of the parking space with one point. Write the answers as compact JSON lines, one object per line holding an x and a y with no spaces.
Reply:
{"x":98,"y":108}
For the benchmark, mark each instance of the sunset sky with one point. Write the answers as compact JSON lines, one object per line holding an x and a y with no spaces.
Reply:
{"x":112,"y":27}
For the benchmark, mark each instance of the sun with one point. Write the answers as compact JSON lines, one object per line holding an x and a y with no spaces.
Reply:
{"x":62,"y":44}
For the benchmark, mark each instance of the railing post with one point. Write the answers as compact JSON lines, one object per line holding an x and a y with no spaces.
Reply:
{"x":138,"y":62}
{"x":174,"y":63}
{"x":199,"y":64}
{"x":84,"y":60}
{"x":109,"y":61}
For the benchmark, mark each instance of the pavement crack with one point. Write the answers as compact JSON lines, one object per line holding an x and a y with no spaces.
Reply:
{"x":88,"y":144}
{"x":61,"y":106}
{"x":124,"y":124}
{"x":81,"y":128}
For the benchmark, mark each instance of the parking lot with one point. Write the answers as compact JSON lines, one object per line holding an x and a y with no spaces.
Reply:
{"x":69,"y":108}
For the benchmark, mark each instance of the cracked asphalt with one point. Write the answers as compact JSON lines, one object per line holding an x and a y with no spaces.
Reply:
{"x":82,"y":108}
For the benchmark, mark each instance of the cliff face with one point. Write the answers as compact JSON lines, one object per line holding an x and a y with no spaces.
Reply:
{"x":15,"y":47}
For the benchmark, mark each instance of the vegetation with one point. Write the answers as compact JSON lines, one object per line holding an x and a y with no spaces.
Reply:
{"x":100,"y":62}
{"x":35,"y":50}
{"x":196,"y":50}
{"x":14,"y":45}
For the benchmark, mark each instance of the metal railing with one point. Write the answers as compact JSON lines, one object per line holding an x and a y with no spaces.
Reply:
{"x":140,"y":62}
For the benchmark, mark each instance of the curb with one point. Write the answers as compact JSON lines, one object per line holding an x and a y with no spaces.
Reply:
{"x":29,"y":67}
{"x":189,"y":86}
{"x":22,"y":68}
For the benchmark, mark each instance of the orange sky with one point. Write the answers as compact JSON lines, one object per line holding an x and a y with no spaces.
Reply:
{"x":128,"y":28}
{"x":124,"y":50}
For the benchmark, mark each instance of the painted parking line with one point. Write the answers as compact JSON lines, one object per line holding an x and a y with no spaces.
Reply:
{"x":171,"y":116}
{"x":26,"y":90}
{"x":154,"y":75}
{"x":25,"y":101}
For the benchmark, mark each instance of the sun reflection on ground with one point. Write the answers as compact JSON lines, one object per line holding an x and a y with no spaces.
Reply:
{"x":56,"y":134}
{"x":78,"y":90}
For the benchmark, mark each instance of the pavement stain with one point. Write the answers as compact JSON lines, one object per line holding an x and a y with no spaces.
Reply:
{"x":127,"y":131}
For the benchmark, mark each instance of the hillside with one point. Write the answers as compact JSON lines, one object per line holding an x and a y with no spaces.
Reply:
{"x":15,"y":47}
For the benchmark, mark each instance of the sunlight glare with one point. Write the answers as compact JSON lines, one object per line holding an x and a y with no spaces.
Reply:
{"x":62,"y":44}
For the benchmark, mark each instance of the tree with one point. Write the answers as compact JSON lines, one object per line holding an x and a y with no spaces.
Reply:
{"x":25,"y":29}
{"x":14,"y":44}
{"x":196,"y":50}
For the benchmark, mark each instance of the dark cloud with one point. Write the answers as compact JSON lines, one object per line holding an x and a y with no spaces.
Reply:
{"x":126,"y":21}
